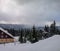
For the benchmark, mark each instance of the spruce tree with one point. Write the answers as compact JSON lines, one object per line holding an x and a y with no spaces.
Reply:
{"x":34,"y":35}
{"x":21,"y":36}
{"x":46,"y":28}
{"x":53,"y":28}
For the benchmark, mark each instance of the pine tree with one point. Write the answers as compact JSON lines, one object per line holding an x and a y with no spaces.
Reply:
{"x":40,"y":34}
{"x":24,"y":36}
{"x":34,"y":35}
{"x":53,"y":28}
{"x":46,"y":28}
{"x":21,"y":37}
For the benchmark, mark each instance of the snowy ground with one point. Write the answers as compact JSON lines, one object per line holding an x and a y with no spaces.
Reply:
{"x":50,"y":44}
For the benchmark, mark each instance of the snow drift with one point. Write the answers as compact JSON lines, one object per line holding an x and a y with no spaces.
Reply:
{"x":50,"y":44}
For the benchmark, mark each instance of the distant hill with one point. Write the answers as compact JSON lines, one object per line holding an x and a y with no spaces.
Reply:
{"x":58,"y":27}
{"x":19,"y":26}
{"x":15,"y":26}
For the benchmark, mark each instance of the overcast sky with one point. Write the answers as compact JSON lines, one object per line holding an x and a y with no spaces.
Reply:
{"x":38,"y":12}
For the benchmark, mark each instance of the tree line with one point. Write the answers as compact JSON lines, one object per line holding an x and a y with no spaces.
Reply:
{"x":34,"y":35}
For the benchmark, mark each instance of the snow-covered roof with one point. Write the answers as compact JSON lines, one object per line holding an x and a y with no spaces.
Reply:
{"x":6,"y":32}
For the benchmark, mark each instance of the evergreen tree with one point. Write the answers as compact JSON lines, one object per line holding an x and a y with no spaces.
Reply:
{"x":21,"y":36}
{"x":39,"y":32}
{"x":34,"y":35}
{"x":53,"y":29}
{"x":30,"y":37}
{"x":24,"y":36}
{"x":46,"y":28}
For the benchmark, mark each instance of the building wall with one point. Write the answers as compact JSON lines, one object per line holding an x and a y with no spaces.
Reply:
{"x":4,"y":35}
{"x":5,"y":38}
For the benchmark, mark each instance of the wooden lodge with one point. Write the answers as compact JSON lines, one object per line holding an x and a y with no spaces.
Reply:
{"x":5,"y":37}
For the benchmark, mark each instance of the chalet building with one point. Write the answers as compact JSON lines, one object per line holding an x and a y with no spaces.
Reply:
{"x":5,"y":37}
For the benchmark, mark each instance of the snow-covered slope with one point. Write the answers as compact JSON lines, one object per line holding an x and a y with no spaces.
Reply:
{"x":50,"y":44}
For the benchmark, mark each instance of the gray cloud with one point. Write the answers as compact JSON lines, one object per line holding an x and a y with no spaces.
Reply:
{"x":37,"y":12}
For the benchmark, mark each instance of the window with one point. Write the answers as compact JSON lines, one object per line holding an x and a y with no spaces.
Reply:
{"x":2,"y":36}
{"x":2,"y":33}
{"x":6,"y":36}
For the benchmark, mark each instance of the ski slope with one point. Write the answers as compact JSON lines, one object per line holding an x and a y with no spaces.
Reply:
{"x":50,"y":44}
